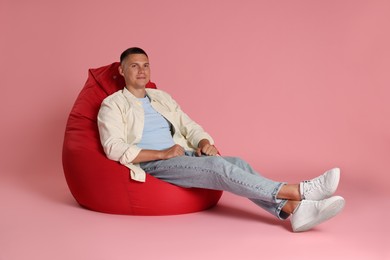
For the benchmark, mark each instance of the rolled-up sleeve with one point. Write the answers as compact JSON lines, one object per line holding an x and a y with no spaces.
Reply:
{"x":112,"y":132}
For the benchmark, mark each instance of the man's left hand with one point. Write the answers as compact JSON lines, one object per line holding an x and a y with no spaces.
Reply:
{"x":205,"y":148}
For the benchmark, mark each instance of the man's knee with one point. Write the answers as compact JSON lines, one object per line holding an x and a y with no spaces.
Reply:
{"x":235,"y":160}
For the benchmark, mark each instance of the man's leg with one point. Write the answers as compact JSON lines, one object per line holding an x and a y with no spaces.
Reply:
{"x":219,"y":173}
{"x":287,"y":191}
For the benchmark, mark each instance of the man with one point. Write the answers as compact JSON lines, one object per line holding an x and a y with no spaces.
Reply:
{"x":145,"y":130}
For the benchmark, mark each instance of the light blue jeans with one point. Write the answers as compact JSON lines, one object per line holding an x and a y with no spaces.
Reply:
{"x":220,"y":173}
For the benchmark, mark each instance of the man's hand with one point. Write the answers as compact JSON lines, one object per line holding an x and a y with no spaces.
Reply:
{"x":172,"y":152}
{"x":204,"y":147}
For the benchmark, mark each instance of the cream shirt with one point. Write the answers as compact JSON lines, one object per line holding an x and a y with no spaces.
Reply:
{"x":121,"y":123}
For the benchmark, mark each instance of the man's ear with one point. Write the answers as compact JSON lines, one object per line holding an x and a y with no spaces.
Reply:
{"x":120,"y":69}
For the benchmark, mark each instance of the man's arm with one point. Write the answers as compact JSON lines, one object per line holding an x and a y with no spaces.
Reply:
{"x":204,"y":148}
{"x":192,"y":131}
{"x":152,"y":155}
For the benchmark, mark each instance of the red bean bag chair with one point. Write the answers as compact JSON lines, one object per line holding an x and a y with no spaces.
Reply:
{"x":103,"y":185}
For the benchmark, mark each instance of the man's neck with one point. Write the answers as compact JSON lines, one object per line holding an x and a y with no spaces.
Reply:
{"x":137,"y":92}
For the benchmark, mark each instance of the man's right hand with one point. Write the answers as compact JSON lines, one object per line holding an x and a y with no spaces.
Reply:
{"x":172,"y":152}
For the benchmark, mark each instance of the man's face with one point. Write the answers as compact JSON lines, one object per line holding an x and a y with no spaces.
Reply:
{"x":136,"y":71}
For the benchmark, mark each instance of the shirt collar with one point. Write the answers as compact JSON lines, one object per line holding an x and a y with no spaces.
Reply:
{"x":130,"y":95}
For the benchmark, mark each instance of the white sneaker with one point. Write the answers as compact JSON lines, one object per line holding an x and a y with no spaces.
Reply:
{"x":321,"y":187}
{"x":311,"y":213}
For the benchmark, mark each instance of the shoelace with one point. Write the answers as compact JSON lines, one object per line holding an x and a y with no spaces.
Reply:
{"x":309,"y":186}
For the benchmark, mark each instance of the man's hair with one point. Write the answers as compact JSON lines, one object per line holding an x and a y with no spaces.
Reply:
{"x":130,"y":51}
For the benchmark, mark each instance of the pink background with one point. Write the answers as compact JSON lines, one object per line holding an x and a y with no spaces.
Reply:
{"x":294,"y":87}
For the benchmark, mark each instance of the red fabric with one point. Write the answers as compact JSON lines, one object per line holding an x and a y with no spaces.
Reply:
{"x":100,"y":184}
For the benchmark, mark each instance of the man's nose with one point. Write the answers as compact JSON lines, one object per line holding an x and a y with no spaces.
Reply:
{"x":141,"y":70}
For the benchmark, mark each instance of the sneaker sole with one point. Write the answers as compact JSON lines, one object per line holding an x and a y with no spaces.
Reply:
{"x":327,"y":213}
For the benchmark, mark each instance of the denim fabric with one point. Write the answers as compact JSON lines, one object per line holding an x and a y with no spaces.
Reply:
{"x":219,"y":173}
